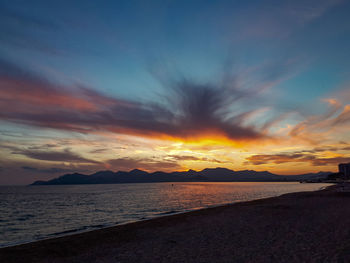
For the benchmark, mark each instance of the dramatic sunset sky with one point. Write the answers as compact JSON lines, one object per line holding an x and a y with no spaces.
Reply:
{"x":173,"y":85}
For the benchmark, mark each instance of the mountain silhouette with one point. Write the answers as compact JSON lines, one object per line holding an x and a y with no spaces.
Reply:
{"x":206,"y":175}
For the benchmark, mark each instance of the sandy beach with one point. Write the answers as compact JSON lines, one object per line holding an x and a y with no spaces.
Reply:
{"x":297,"y":227}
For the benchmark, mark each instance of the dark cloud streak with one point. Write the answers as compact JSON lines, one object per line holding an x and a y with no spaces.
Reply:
{"x":52,"y":170}
{"x":193,"y":109}
{"x":20,"y":30}
{"x":193,"y":158}
{"x":56,"y":156}
{"x":281,"y":158}
{"x":148,"y":164}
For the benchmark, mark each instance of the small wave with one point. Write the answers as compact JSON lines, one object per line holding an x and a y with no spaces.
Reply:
{"x":97,"y":226}
{"x":80,"y":229}
{"x":25,"y":217}
{"x":168,"y":213}
{"x":67,"y":231}
{"x":13,"y":229}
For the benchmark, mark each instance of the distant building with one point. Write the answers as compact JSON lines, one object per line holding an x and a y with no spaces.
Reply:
{"x":344,"y":170}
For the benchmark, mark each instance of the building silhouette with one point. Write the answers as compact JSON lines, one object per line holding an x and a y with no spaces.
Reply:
{"x":344,"y":170}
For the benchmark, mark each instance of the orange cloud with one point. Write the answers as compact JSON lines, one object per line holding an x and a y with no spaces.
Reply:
{"x":314,"y":160}
{"x":32,"y":95}
{"x":195,"y":112}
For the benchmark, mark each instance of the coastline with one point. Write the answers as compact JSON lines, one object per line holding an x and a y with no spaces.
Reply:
{"x":244,"y":231}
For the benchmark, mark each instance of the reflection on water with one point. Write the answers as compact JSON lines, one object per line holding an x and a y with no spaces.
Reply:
{"x":30,"y":213}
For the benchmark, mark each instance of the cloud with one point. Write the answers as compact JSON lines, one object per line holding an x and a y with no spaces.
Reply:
{"x":228,"y":110}
{"x":21,"y":30}
{"x":193,"y":158}
{"x":148,"y":164}
{"x":52,"y":170}
{"x":281,"y":158}
{"x":280,"y":18}
{"x":101,"y":150}
{"x":318,"y":128}
{"x":206,"y":108}
{"x":190,"y":111}
{"x":306,"y":12}
{"x":55,"y":156}
{"x":26,"y":89}
{"x":277,"y":158}
{"x":330,"y":161}
{"x":343,"y":117}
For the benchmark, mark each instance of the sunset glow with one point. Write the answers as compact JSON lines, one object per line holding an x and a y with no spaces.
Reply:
{"x":172,"y":88}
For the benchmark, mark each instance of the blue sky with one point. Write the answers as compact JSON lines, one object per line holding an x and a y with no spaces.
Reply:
{"x":287,"y":59}
{"x":114,"y":46}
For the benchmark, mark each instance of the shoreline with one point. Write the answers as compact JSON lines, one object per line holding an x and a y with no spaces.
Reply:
{"x":89,"y":228}
{"x":119,"y":242}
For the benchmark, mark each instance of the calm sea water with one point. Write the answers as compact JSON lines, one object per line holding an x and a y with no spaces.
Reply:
{"x":29,"y":213}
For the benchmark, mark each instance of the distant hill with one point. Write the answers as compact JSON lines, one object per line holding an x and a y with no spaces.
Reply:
{"x":206,"y":175}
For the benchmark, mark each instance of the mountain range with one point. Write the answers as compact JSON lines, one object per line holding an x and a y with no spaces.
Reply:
{"x":206,"y":175}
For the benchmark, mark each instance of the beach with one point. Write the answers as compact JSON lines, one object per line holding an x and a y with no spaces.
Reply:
{"x":296,"y":227}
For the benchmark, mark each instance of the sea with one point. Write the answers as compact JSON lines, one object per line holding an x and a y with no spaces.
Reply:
{"x":30,"y":213}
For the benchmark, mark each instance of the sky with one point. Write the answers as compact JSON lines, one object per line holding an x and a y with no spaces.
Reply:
{"x":173,"y":85}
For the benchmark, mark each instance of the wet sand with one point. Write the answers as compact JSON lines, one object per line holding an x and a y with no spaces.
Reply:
{"x":297,"y":227}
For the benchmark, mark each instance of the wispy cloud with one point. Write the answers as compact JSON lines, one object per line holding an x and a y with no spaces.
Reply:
{"x":56,"y":156}
{"x":52,"y":170}
{"x":193,"y":109}
{"x":317,"y":128}
{"x":297,"y":157}
{"x":279,"y":19}
{"x":22,"y":31}
{"x":148,"y":164}
{"x":193,"y":158}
